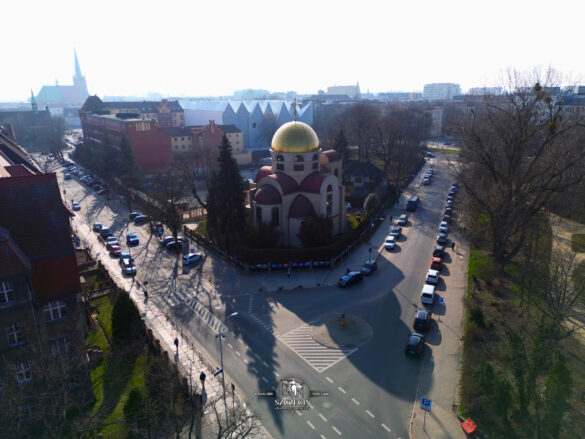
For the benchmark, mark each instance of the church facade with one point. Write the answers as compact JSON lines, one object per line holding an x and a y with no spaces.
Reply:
{"x":303,"y":181}
{"x":65,"y":95}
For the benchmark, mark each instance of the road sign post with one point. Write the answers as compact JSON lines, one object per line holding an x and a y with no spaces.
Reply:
{"x":425,"y":404}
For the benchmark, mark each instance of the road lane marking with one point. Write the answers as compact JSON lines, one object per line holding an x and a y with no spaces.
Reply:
{"x":246,"y":361}
{"x":298,"y":412}
{"x":336,"y":430}
{"x":355,"y":401}
{"x":370,"y":413}
{"x":233,"y":334}
{"x":386,"y":428}
{"x":322,"y":417}
{"x":323,"y":437}
{"x":265,"y":364}
{"x":230,"y":345}
{"x":311,"y":425}
{"x":329,"y":379}
{"x":265,"y":380}
{"x":256,"y":355}
{"x":238,"y":354}
{"x":255,"y":370}
{"x":342,"y":391}
{"x":276,"y":373}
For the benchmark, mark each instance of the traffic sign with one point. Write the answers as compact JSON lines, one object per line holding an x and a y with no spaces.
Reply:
{"x":218,"y":372}
{"x":441,"y":300}
{"x":233,"y":276}
{"x":425,"y":404}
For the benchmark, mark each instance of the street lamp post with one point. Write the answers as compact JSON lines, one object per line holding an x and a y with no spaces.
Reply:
{"x":221,"y":335}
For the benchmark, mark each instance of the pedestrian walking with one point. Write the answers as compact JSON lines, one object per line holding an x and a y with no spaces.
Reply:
{"x":453,"y":246}
{"x":347,"y":270}
{"x":202,"y":378}
{"x":145,"y":295}
{"x":177,"y":343}
{"x":390,"y":219}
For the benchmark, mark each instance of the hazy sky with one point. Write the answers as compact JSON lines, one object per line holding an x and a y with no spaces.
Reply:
{"x":214,"y":47}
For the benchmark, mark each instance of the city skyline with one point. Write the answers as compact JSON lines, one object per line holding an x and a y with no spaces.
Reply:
{"x":135,"y":48}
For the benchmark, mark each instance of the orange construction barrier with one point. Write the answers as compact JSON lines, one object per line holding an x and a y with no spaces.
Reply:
{"x":469,"y":426}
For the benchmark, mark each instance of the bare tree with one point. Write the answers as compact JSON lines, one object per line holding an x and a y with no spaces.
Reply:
{"x":519,"y":150}
{"x":242,"y":423}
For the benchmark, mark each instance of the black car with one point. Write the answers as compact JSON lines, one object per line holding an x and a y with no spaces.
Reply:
{"x":174,"y":245}
{"x":133,"y":215}
{"x":403,"y":220}
{"x":415,"y":345}
{"x":422,"y":320}
{"x":439,"y":251}
{"x":442,"y":239}
{"x":349,"y":279}
{"x":396,"y":231}
{"x":141,"y":219}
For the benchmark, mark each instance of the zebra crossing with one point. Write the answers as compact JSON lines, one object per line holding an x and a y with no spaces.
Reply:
{"x":257,"y":319}
{"x":318,"y":356}
{"x":204,"y":314}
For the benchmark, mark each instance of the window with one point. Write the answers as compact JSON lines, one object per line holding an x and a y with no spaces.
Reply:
{"x":59,"y":346}
{"x":279,"y":163}
{"x":258,"y":214}
{"x":299,"y":165}
{"x":55,"y":310}
{"x":275,"y":217}
{"x":315,"y":161}
{"x":357,"y":179}
{"x":6,"y":292}
{"x":254,"y":125}
{"x":335,"y":172}
{"x":23,"y":373}
{"x":14,"y":334}
{"x":329,"y":201}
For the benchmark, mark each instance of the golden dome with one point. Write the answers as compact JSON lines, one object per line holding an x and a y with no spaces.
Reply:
{"x":295,"y":137}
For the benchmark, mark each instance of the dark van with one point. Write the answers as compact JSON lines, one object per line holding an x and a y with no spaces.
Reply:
{"x":412,"y":204}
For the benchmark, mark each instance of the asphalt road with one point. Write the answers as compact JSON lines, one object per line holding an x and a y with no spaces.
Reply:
{"x":371,"y":391}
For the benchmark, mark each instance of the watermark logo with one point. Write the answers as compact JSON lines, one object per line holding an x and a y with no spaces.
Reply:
{"x":292,"y":395}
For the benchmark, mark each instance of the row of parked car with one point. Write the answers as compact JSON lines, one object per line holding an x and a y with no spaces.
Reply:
{"x":114,"y":248}
{"x":423,"y":317}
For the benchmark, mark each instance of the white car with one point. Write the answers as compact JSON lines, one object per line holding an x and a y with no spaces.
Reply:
{"x":443,"y":227}
{"x":427,"y":295}
{"x":390,"y":242}
{"x":127,"y":266}
{"x":432,"y":277}
{"x":191,"y":258}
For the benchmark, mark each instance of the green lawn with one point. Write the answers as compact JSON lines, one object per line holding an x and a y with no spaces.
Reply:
{"x":578,"y":242}
{"x":352,"y":220}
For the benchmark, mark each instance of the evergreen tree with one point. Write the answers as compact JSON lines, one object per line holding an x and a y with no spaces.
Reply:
{"x":126,"y":162}
{"x":225,"y":200}
{"x":341,"y":145}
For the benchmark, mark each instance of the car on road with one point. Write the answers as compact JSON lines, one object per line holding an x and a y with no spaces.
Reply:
{"x":449,"y":197}
{"x":442,"y":238}
{"x":415,"y":344}
{"x":166,"y":240}
{"x":132,"y":239}
{"x":111,"y":240}
{"x":403,"y":220}
{"x":75,"y":205}
{"x":439,"y":251}
{"x":448,"y":210}
{"x":396,"y":231}
{"x":390,"y":242}
{"x":349,"y":279}
{"x":449,"y":204}
{"x":141,"y":219}
{"x":102,"y":191}
{"x":412,"y":203}
{"x":443,"y":227}
{"x":125,"y":255}
{"x":426,"y":181}
{"x":174,"y":245}
{"x":446,"y":218}
{"x":67,"y":176}
{"x":427,"y":295}
{"x":115,"y":249}
{"x":432,"y":277}
{"x":105,"y":232}
{"x":133,"y":215}
{"x":422,"y":320}
{"x":369,"y":267}
{"x":127,"y":266}
{"x":436,"y":264}
{"x":192,"y":258}
{"x":97,"y":227}
{"x":429,"y":154}
{"x":452,"y":192}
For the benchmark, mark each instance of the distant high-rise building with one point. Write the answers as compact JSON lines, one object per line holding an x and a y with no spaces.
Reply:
{"x":482,"y":91}
{"x":65,"y":95}
{"x":352,"y":91}
{"x":443,"y":91}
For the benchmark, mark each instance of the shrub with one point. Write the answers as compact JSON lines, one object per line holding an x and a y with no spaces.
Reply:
{"x":372,"y":202}
{"x":134,"y":407}
{"x":126,"y":320}
{"x":578,"y":242}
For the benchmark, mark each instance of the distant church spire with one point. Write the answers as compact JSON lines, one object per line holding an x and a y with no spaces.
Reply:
{"x":78,"y":74}
{"x":33,"y":102}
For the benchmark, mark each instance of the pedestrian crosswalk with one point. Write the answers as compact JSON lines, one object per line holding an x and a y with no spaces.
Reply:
{"x":213,"y":322}
{"x":257,"y":319}
{"x":318,"y":356}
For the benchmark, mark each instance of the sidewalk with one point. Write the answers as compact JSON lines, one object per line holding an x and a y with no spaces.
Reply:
{"x":189,"y":360}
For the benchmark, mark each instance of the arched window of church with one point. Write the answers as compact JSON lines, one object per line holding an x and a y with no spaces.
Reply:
{"x":335,"y":172}
{"x":329,"y":201}
{"x":279,"y":163}
{"x":315,"y":161}
{"x":258,"y":214}
{"x":275,"y":217}
{"x":299,"y":163}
